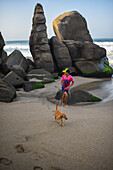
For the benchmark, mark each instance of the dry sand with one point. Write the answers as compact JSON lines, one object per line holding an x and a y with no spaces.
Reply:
{"x":84,"y":143}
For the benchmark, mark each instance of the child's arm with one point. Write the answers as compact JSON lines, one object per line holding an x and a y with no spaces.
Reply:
{"x":61,"y":82}
{"x":70,"y":85}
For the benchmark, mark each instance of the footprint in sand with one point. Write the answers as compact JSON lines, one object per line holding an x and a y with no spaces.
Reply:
{"x":37,"y":168}
{"x":21,"y":149}
{"x":5,"y":161}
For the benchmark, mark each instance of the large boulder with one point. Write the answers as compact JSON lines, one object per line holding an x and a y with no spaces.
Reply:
{"x":39,"y":74}
{"x":71,"y":26}
{"x":74,"y":48}
{"x":38,"y":41}
{"x":60,"y":54}
{"x":78,"y":96}
{"x":17,"y":58}
{"x":91,"y":51}
{"x":86,"y":50}
{"x":14,"y":79}
{"x":19,"y":71}
{"x":89,"y":59}
{"x":96,"y":68}
{"x":3,"y":56}
{"x":31,"y":65}
{"x":29,"y":86}
{"x":7,"y":91}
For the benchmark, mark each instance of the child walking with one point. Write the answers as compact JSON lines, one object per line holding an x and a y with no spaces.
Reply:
{"x":66,"y":81}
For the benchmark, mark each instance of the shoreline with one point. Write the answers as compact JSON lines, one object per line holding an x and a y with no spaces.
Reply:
{"x":85,"y":141}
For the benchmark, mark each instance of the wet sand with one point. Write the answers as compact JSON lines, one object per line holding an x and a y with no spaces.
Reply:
{"x":30,"y":138}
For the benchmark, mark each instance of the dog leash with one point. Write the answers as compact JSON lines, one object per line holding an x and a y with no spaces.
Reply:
{"x":69,"y":93}
{"x":62,"y":103}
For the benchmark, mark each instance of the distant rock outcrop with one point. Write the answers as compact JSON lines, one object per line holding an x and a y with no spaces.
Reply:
{"x":71,"y":26}
{"x":38,"y":41}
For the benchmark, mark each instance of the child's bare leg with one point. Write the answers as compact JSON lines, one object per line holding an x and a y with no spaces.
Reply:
{"x":65,"y":99}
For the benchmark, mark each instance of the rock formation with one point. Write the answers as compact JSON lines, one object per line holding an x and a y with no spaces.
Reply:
{"x":38,"y":41}
{"x":7,"y":91}
{"x":60,"y":54}
{"x":1,"y":44}
{"x":13,"y":79}
{"x":71,"y":26}
{"x":88,"y":58}
{"x":78,"y":96}
{"x":72,"y":47}
{"x":39,"y":74}
{"x":17,"y":58}
{"x":3,"y":54}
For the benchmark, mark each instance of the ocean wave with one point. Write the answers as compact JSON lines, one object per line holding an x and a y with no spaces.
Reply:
{"x":15,"y":46}
{"x":23,"y":46}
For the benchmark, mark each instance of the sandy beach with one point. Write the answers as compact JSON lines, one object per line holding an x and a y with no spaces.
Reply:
{"x":84,"y":143}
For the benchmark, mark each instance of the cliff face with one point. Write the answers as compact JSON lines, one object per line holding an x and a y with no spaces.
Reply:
{"x":38,"y":41}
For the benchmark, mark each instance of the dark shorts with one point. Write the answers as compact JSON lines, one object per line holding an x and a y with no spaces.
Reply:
{"x":65,"y":91}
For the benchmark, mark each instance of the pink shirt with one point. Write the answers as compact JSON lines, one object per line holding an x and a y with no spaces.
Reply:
{"x":66,"y":81}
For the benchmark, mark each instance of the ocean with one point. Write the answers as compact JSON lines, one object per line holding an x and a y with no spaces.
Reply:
{"x":23,"y":46}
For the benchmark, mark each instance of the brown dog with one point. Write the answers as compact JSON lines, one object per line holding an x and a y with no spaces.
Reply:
{"x":59,"y":115}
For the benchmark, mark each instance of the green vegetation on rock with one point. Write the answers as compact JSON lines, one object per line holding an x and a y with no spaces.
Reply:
{"x":45,"y":81}
{"x":55,"y":77}
{"x":107,"y":72}
{"x":106,"y":62}
{"x":37,"y":85}
{"x":95,"y":99}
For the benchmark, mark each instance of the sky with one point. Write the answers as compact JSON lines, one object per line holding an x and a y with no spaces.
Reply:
{"x":16,"y":16}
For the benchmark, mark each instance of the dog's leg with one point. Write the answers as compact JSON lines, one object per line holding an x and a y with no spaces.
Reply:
{"x":57,"y":121}
{"x":62,"y":122}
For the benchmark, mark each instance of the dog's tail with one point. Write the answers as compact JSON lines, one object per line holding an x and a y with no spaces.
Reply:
{"x":57,"y":105}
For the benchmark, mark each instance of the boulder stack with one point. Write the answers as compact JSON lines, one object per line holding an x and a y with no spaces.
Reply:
{"x":88,"y":58}
{"x":38,"y":41}
{"x":71,"y":26}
